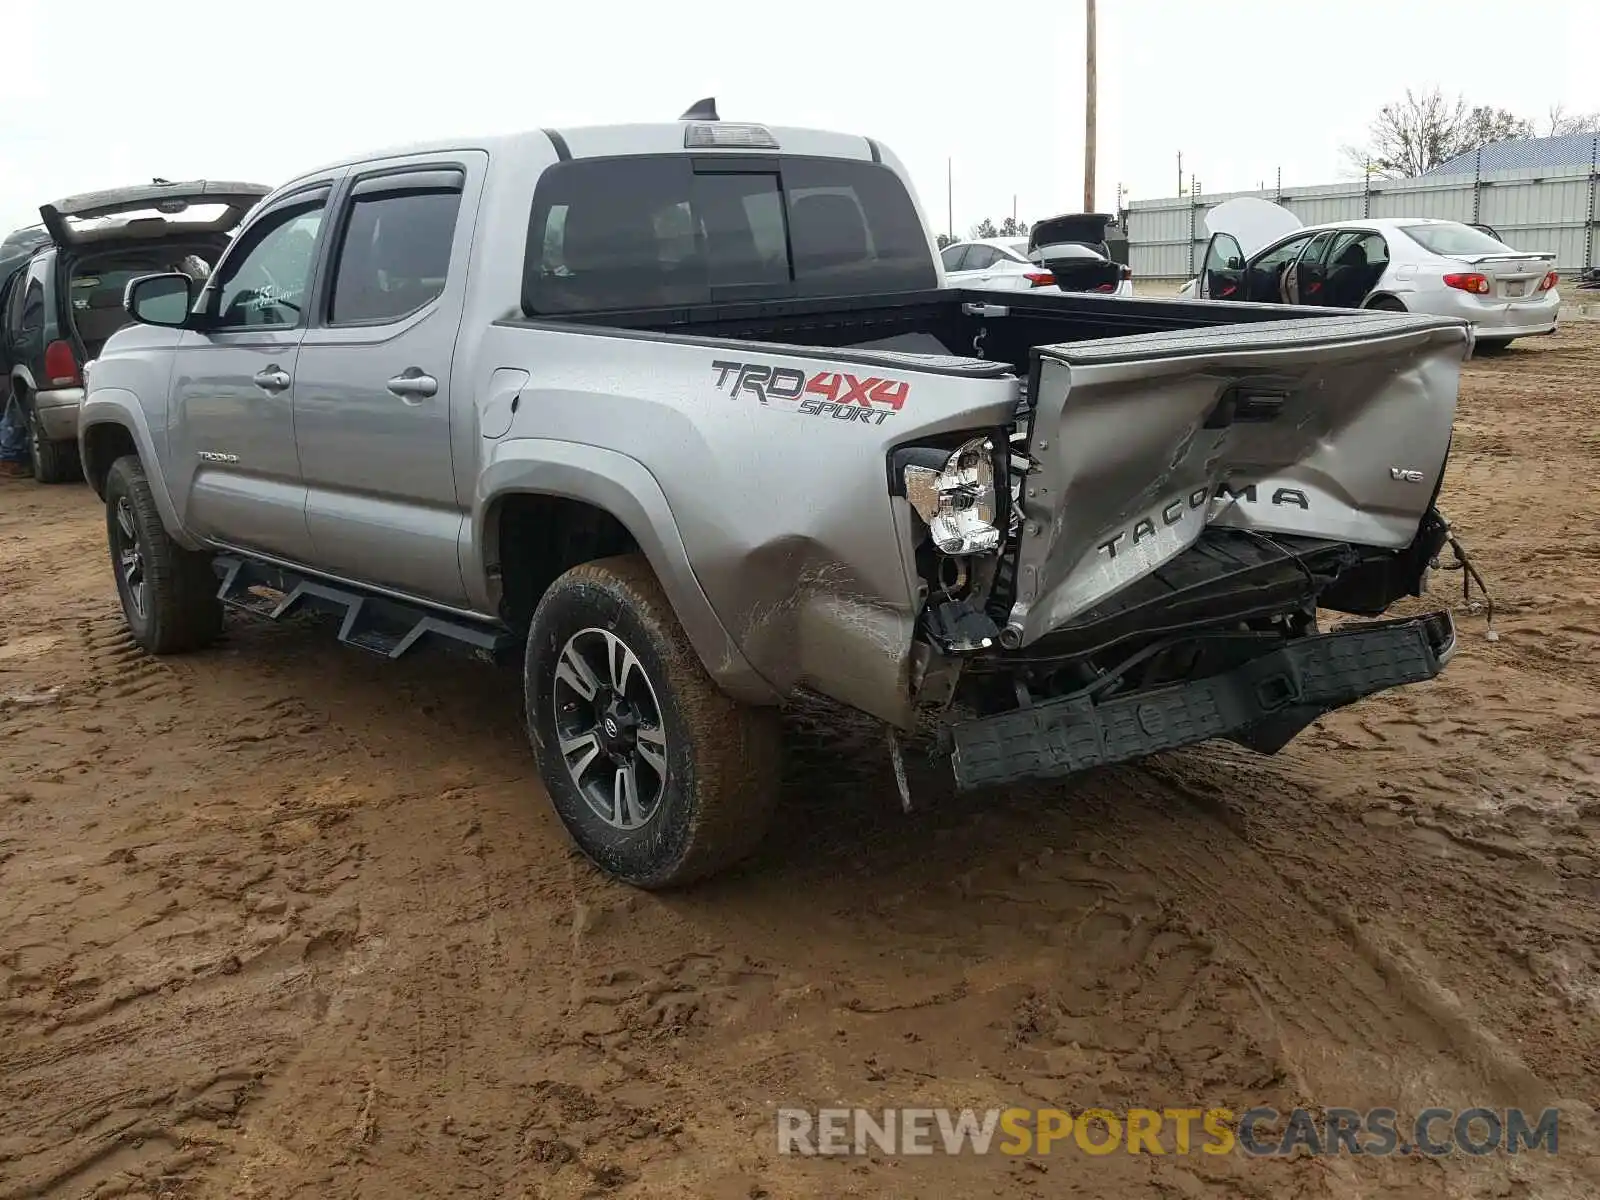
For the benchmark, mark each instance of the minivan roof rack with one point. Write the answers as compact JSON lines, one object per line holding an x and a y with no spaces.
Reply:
{"x":702,"y":110}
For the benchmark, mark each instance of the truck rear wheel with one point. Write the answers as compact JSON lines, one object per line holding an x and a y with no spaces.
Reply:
{"x":168,"y":594}
{"x":659,"y":777}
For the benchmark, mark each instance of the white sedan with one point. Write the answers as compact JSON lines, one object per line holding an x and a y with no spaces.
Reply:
{"x":1260,"y":252}
{"x":999,"y":264}
{"x":1062,"y":254}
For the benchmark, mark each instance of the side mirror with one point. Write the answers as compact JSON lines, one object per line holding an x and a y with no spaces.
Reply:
{"x":1236,"y":263}
{"x":160,"y":299}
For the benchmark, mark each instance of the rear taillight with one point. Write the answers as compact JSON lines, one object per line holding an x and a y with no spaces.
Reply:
{"x":61,"y":365}
{"x":1549,"y":281}
{"x":1127,"y":273}
{"x":1039,"y":278}
{"x":1472,"y":282}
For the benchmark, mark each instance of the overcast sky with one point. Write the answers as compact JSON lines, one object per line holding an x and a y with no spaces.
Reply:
{"x":99,"y":93}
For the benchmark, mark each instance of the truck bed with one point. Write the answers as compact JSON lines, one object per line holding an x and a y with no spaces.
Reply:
{"x":944,"y":322}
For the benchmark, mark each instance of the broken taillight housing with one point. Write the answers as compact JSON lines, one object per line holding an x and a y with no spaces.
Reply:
{"x":1549,"y":281}
{"x":959,"y":502}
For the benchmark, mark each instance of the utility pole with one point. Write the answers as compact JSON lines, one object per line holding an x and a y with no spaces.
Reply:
{"x":1180,"y":172}
{"x":949,"y":199}
{"x":1089,"y":113}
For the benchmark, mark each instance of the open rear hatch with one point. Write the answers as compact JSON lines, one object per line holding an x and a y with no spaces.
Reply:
{"x":1073,"y":247}
{"x":156,"y":210}
{"x":1333,"y":428}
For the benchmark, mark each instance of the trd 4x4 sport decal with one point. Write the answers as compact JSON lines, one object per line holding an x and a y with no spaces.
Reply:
{"x":834,"y":394}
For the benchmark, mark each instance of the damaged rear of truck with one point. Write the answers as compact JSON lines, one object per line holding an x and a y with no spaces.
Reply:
{"x":1139,"y":562}
{"x":1095,"y":549}
{"x":1092,"y":549}
{"x":1057,"y":531}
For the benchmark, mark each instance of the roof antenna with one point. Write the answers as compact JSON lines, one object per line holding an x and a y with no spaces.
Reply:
{"x":702,"y":110}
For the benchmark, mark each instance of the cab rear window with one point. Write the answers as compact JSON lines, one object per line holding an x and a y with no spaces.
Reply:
{"x":665,"y":230}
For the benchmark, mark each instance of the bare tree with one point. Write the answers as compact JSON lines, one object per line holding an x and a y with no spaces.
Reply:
{"x":1486,"y":125}
{"x":1416,"y":134}
{"x":1562,"y":122}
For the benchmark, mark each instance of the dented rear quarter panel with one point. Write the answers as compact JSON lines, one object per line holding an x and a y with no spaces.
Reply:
{"x":784,"y":508}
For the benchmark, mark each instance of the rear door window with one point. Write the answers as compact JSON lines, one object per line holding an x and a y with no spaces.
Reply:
{"x":32,"y":314}
{"x":982,"y":258}
{"x":653,"y":231}
{"x":395,"y":254}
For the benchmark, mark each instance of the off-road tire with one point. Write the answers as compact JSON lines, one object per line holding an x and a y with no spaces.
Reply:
{"x":1387,"y":304}
{"x":1491,"y":346}
{"x":723,"y":758}
{"x":181,"y":611}
{"x":53,"y":462}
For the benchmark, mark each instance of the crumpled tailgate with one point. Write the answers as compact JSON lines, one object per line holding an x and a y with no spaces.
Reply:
{"x":1333,"y":427}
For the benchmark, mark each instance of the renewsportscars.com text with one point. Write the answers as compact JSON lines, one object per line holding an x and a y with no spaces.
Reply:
{"x":1257,"y":1132}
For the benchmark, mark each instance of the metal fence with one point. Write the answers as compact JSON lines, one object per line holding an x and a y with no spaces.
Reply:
{"x":1538,"y":208}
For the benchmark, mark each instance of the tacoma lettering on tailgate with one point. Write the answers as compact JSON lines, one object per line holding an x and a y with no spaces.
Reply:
{"x":1173,"y":513}
{"x":835,"y":394}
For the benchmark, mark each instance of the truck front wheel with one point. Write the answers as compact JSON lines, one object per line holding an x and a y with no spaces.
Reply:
{"x":168,"y":594}
{"x":659,"y":777}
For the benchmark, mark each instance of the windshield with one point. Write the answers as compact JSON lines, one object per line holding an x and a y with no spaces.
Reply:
{"x":1448,"y":237}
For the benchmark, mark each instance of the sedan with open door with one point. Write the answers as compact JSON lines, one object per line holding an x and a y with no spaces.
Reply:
{"x":1259,"y":252}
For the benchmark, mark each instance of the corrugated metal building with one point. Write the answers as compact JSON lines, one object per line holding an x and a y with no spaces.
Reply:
{"x":1545,"y":205}
{"x":1518,"y":154}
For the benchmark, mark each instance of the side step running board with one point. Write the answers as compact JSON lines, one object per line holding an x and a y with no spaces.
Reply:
{"x":377,"y":624}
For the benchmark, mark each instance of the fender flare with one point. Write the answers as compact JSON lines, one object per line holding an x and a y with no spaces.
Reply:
{"x":21,"y":389}
{"x":625,"y":488}
{"x":115,"y":406}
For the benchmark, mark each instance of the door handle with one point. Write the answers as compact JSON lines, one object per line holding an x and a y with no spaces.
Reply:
{"x":418,"y":385}
{"x":271,"y":379}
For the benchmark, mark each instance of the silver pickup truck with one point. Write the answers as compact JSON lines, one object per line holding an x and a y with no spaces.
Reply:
{"x":684,"y":415}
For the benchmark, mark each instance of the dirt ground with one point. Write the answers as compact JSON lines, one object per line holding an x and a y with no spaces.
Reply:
{"x":284,"y":919}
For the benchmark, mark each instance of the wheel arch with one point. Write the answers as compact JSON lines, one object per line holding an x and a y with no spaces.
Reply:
{"x":600,"y":503}
{"x":21,"y":380}
{"x":111,"y":424}
{"x":1373,"y":299}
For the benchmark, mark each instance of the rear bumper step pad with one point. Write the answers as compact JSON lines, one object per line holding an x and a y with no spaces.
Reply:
{"x":1313,"y":675}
